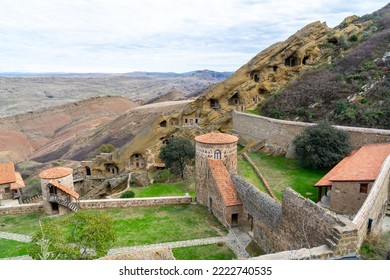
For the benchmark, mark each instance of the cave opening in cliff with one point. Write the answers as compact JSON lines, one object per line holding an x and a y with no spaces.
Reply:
{"x":275,"y":68}
{"x":88,"y":171}
{"x":291,"y":61}
{"x":112,"y":168}
{"x":137,"y":161}
{"x":262,"y":91}
{"x":214,"y":104}
{"x":235,"y":99}
{"x":163,"y":124}
{"x":304,"y":61}
{"x":174,"y":121}
{"x":255,"y":75}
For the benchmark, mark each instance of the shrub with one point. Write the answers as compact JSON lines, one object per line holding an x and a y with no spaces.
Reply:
{"x":128,"y":194}
{"x":107,"y":148}
{"x":353,"y":38}
{"x":321,"y":146}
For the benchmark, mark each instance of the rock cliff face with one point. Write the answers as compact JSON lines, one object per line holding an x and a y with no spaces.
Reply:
{"x":265,"y":74}
{"x":270,"y":71}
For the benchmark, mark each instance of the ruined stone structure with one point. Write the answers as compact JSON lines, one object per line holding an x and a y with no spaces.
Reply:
{"x":58,"y":192}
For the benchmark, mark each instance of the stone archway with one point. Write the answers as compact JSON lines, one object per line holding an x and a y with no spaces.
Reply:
{"x":137,"y":161}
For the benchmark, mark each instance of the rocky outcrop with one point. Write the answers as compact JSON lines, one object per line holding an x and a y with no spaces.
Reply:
{"x":104,"y":188}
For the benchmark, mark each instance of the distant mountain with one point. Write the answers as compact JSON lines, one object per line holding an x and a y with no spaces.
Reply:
{"x":137,"y":74}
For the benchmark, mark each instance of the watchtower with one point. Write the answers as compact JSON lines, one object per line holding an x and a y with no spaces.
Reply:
{"x":217,"y":146}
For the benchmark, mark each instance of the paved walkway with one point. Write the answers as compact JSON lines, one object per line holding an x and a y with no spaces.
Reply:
{"x":236,"y":239}
{"x":15,"y":236}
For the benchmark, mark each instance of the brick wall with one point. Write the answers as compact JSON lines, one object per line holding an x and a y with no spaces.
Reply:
{"x":279,"y":134}
{"x":133,"y":202}
{"x":375,"y":204}
{"x":22,"y":209}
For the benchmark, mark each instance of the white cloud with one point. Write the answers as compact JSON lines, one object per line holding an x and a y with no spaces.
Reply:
{"x":153,"y":35}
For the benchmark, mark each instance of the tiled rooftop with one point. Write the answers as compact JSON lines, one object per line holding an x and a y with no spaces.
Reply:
{"x":7,"y":173}
{"x":55,"y":172}
{"x":362,"y":165}
{"x":64,"y":189}
{"x":19,"y":183}
{"x":216,"y":138}
{"x":224,"y":183}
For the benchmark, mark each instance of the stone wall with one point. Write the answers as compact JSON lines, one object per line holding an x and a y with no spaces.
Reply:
{"x":134,"y":202}
{"x":297,"y":223}
{"x":277,"y":135}
{"x":347,"y":191}
{"x":22,"y":209}
{"x":374,"y":207}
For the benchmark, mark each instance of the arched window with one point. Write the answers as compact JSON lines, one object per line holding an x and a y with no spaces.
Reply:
{"x":217,"y":154}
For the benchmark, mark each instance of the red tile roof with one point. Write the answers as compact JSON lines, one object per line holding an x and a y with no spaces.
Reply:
{"x":216,"y":138}
{"x":7,"y":173}
{"x":362,"y":165}
{"x":19,"y":183}
{"x":63,"y":188}
{"x":55,"y":172}
{"x":224,"y":183}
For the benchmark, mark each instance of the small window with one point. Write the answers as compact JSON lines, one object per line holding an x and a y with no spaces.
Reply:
{"x":217,"y":154}
{"x":186,"y":120}
{"x":7,"y":190}
{"x":364,"y":188}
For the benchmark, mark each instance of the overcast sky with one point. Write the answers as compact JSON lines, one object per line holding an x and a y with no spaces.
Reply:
{"x":154,"y":35}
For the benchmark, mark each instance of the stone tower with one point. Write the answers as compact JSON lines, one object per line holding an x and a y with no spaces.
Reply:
{"x":58,"y":191}
{"x":218,"y":146}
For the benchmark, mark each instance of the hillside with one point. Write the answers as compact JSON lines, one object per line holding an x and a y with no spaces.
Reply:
{"x":54,"y":130}
{"x":20,"y":93}
{"x":352,"y":89}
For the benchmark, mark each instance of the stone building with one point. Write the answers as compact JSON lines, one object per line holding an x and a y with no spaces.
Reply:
{"x":11,"y":182}
{"x":58,"y":192}
{"x":291,"y":225}
{"x":345,"y":188}
{"x":216,"y":158}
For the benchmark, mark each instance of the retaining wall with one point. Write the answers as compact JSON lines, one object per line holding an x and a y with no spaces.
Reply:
{"x":297,"y":223}
{"x":278,"y":135}
{"x":374,"y":207}
{"x":22,"y":209}
{"x":133,"y":202}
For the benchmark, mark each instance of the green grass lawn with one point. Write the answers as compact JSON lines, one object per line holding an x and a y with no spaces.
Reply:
{"x":166,"y":189}
{"x":11,"y":248}
{"x":281,"y":173}
{"x":245,"y":170}
{"x":254,"y":112}
{"x":21,"y":223}
{"x":137,"y":226}
{"x":218,"y":251}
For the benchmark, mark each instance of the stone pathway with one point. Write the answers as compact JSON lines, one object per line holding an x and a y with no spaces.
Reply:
{"x":15,"y":236}
{"x":236,"y":239}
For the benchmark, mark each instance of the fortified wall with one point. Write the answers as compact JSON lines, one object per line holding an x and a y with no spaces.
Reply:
{"x":277,"y":136}
{"x":297,"y":223}
{"x":370,"y":216}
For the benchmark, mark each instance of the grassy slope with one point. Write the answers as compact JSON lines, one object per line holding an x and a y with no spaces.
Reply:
{"x":204,"y":252}
{"x":11,"y":248}
{"x":281,"y":173}
{"x":166,"y":189}
{"x":245,"y":170}
{"x":137,"y":226}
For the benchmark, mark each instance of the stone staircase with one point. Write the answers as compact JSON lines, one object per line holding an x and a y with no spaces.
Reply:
{"x":388,"y":209}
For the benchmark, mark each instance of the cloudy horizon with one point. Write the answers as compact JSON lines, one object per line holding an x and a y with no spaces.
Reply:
{"x":156,"y":36}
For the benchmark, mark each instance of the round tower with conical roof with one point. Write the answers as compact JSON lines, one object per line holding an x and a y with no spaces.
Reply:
{"x":218,"y":146}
